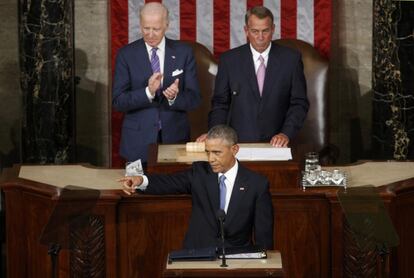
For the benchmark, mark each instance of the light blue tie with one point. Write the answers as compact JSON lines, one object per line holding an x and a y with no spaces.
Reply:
{"x":223,"y":192}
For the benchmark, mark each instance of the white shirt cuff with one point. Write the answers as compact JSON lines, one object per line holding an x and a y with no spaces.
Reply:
{"x":171,"y":101}
{"x":149,"y":95}
{"x":143,"y":185}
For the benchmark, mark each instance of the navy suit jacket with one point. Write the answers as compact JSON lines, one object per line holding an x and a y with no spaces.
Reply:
{"x":141,"y":121}
{"x":281,"y":108}
{"x":250,"y":210}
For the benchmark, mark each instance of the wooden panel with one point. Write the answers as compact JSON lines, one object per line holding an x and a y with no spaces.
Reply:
{"x":24,"y":225}
{"x":302,"y":234}
{"x":403,"y":210}
{"x":148,"y":229}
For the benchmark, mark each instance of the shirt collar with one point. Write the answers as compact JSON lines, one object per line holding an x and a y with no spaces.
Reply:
{"x":231,"y":173}
{"x":161,"y":46}
{"x":264,"y":54}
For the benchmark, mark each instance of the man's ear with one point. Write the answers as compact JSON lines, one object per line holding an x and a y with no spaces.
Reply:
{"x":235,"y":149}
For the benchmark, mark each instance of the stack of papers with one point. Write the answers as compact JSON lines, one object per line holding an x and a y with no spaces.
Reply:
{"x":260,"y":154}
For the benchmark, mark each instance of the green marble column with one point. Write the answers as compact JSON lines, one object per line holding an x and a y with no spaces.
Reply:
{"x":47,"y":75}
{"x":393,"y":79}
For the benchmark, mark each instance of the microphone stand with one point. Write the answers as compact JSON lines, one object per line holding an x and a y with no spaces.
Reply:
{"x":221,"y":216}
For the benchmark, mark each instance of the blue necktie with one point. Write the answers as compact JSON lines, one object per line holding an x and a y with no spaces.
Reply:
{"x":223,"y":192}
{"x":155,"y":60}
{"x":155,"y":65}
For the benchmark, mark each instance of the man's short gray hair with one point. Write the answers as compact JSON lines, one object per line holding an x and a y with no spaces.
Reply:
{"x":259,"y":11}
{"x":223,"y":132}
{"x":155,"y":7}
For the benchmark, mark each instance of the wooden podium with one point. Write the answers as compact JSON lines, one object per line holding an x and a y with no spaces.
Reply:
{"x":136,"y":232}
{"x":251,"y":268}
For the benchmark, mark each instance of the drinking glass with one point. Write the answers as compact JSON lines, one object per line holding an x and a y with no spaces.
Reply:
{"x":312,"y":162}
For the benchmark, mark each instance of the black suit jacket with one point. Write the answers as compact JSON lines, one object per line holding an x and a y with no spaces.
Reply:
{"x":281,"y":108}
{"x":250,"y":208}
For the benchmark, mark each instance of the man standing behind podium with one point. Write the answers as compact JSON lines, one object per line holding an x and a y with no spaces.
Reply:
{"x":260,"y":88}
{"x":222,"y":183}
{"x":155,"y":84}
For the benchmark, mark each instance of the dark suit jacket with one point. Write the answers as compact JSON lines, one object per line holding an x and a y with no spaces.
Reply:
{"x":141,"y":121}
{"x":283,"y":105}
{"x":250,"y":208}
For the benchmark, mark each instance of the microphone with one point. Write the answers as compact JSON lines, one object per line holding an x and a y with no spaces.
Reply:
{"x":234,"y":93}
{"x":221,"y":215}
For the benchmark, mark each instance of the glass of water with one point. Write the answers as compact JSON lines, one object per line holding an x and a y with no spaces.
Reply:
{"x":312,"y":162}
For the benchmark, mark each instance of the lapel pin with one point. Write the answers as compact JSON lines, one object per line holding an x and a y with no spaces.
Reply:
{"x":241,"y":188}
{"x":173,"y":57}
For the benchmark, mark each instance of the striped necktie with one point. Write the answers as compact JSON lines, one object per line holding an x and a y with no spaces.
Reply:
{"x":155,"y":60}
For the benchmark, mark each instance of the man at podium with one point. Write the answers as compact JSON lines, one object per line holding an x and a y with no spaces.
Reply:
{"x":221,"y":184}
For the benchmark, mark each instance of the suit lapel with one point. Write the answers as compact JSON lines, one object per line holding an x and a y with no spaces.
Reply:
{"x":240,"y":188}
{"x":250,"y":72}
{"x":273,"y":67}
{"x":213,"y":193}
{"x":143,"y":58}
{"x":169,"y":63}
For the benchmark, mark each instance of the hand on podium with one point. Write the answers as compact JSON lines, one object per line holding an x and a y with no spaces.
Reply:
{"x":279,"y":140}
{"x":129,"y":184}
{"x":202,"y":138}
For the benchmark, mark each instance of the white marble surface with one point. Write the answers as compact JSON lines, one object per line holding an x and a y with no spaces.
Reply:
{"x":78,"y":175}
{"x":376,"y":173}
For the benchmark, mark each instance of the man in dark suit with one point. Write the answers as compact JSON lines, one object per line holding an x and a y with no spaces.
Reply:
{"x":155,"y":84}
{"x":222,"y":183}
{"x":271,"y":102}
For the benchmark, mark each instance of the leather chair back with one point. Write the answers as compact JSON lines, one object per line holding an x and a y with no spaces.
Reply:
{"x":206,"y":73}
{"x":314,"y":135}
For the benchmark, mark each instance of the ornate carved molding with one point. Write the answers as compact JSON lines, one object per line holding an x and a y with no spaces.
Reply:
{"x":87,"y":248}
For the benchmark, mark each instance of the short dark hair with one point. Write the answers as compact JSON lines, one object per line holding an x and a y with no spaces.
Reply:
{"x":259,"y":11}
{"x":223,"y":132}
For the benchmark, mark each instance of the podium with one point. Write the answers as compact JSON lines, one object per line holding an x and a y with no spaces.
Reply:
{"x":310,"y":226}
{"x":252,"y":268}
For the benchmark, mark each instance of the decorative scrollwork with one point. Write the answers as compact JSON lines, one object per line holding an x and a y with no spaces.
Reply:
{"x":87,"y":247}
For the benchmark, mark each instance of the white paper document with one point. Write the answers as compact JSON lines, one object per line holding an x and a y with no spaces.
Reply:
{"x":255,"y":255}
{"x":260,"y":154}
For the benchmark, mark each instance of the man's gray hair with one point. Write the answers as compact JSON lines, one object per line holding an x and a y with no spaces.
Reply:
{"x":223,"y":132}
{"x":155,"y":7}
{"x":259,"y":11}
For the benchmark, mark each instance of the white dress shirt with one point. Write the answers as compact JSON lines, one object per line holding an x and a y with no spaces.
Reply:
{"x":264,"y":54}
{"x":231,"y":175}
{"x":161,"y":57}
